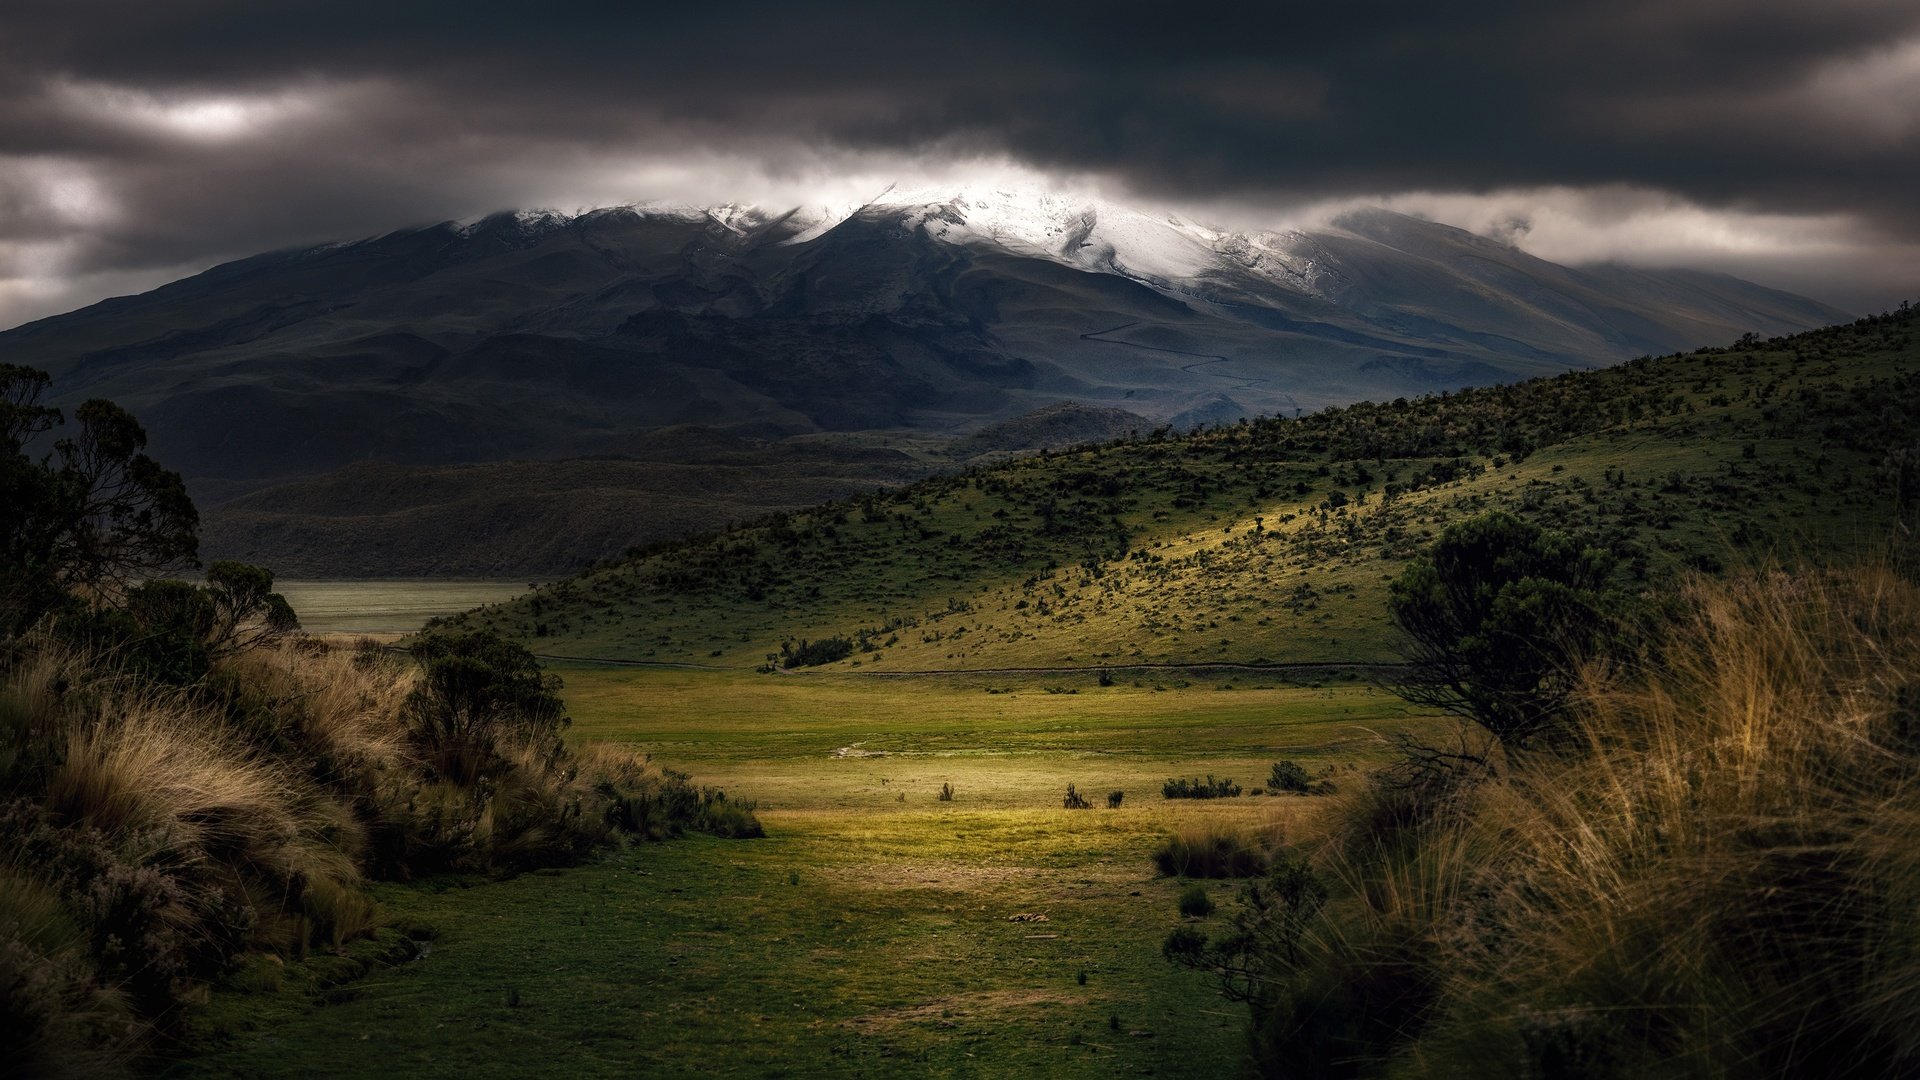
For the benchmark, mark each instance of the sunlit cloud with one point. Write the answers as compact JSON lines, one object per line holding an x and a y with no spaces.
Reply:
{"x":204,"y":118}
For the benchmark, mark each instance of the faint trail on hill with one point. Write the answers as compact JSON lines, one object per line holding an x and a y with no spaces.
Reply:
{"x":1193,"y":368}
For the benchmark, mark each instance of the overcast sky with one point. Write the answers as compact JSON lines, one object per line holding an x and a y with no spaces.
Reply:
{"x":142,"y":140}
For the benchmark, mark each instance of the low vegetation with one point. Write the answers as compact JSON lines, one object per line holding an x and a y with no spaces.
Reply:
{"x":1710,"y":876}
{"x":184,"y":783}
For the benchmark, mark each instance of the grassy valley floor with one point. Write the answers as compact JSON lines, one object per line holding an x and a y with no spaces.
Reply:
{"x":873,"y":930}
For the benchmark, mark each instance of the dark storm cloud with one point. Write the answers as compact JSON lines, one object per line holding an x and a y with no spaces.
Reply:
{"x":135,"y":134}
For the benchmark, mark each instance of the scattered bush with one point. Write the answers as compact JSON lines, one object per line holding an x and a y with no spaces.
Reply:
{"x":1289,"y":776}
{"x":1292,"y":778}
{"x":1075,"y":800}
{"x":1209,"y":851}
{"x":1115,"y":798}
{"x":1197,"y":788}
{"x":480,"y":696}
{"x":1194,"y":902}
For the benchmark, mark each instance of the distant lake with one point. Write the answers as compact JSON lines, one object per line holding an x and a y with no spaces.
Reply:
{"x":387,"y":607}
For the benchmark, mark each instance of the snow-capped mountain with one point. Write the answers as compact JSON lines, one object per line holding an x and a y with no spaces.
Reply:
{"x":540,"y":333}
{"x":1088,"y":233}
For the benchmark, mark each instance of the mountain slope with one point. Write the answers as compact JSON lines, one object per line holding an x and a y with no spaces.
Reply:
{"x":1271,"y":541}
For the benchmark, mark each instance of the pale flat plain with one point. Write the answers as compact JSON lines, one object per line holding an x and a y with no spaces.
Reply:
{"x":387,"y":607}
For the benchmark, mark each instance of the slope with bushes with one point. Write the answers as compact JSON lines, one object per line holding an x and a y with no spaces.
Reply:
{"x":1272,"y":540}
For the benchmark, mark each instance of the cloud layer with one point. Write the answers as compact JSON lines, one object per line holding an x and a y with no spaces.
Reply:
{"x":1781,"y":139}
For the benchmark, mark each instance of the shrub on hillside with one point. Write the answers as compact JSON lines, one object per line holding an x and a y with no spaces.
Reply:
{"x":814,"y":653}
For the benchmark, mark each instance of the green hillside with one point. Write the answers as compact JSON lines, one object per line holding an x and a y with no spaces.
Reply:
{"x":1271,"y":541}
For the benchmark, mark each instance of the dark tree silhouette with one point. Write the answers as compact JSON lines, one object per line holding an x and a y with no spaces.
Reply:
{"x":96,"y":513}
{"x":1497,"y":613}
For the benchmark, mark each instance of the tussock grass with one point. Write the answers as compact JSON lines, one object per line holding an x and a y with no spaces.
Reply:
{"x":1718,"y":880}
{"x":1210,"y":850}
{"x":173,"y":830}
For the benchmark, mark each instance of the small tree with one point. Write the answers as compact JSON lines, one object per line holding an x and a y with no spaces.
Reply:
{"x":174,"y":630}
{"x":1496,"y":614}
{"x":96,"y":513}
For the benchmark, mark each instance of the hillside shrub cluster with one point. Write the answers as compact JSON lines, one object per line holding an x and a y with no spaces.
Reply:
{"x":184,"y":782}
{"x":814,"y":653}
{"x":1711,"y":874}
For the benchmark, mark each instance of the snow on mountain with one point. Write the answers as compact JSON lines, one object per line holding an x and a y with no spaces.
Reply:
{"x":1088,"y":233}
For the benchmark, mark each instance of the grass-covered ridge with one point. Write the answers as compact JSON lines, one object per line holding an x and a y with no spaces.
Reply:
{"x":1272,"y":540}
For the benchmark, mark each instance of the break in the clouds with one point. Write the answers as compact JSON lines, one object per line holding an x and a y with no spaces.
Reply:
{"x":1779,"y":140}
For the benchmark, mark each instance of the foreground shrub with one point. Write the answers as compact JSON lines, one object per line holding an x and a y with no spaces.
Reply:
{"x":180,"y":785}
{"x":1716,"y":880}
{"x":1209,"y":851}
{"x":480,"y":698}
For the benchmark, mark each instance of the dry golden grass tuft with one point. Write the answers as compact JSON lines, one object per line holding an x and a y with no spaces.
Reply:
{"x":1718,"y":879}
{"x":177,"y":828}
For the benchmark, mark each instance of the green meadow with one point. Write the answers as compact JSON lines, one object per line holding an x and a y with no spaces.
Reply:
{"x":876,"y":929}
